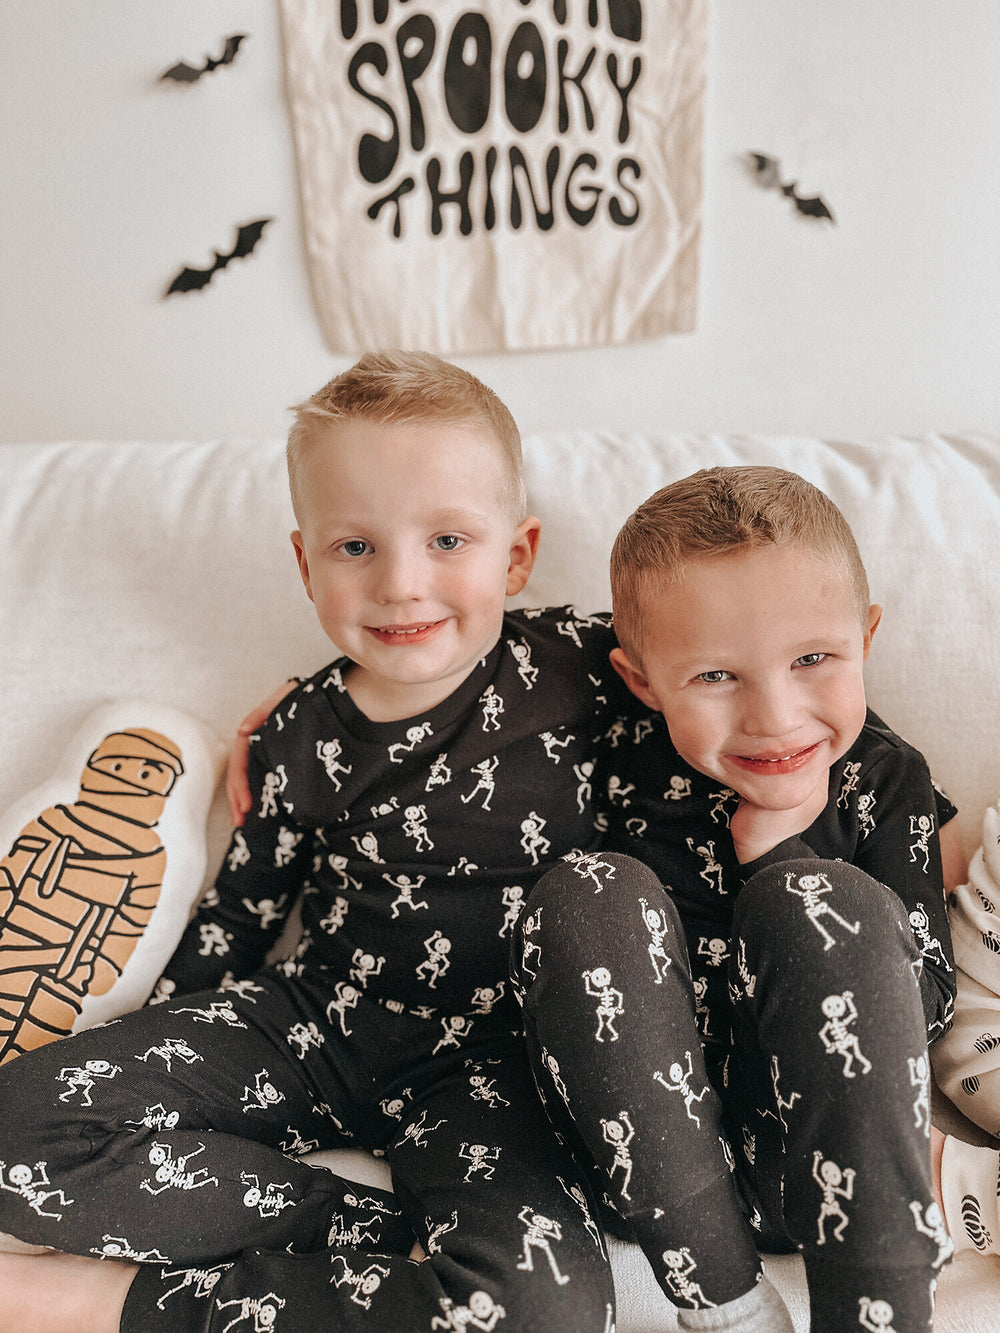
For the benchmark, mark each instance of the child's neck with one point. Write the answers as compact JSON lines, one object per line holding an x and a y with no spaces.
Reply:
{"x":391,"y":701}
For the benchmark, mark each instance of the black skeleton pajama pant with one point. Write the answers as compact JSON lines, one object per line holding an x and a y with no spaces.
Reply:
{"x":816,"y":1137}
{"x":173,"y":1137}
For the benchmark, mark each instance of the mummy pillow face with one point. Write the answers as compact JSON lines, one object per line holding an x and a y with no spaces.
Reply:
{"x":100,"y":867}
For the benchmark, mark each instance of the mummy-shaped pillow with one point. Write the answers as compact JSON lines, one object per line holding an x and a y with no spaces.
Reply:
{"x":100,"y":867}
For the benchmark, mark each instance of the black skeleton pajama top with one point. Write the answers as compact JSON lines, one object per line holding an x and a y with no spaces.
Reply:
{"x":416,"y":841}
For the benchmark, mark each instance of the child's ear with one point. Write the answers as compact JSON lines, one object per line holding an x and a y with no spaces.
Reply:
{"x":635,"y":678}
{"x":303,"y":559}
{"x":523,"y":550}
{"x":874,"y":617}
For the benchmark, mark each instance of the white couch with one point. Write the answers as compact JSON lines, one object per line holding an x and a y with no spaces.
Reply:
{"x":165,"y":570}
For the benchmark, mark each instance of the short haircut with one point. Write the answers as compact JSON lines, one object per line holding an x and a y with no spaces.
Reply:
{"x":717,"y":512}
{"x":399,"y":387}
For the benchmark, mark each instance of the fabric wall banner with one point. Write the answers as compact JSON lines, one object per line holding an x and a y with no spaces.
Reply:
{"x":509,"y":174}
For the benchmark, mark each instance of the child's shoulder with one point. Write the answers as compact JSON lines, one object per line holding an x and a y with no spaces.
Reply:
{"x":563,"y":627}
{"x":877,"y":739}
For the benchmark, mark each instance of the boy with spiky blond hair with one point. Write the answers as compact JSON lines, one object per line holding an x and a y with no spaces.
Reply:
{"x":407,"y":798}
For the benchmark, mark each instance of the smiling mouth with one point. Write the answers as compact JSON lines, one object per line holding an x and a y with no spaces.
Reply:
{"x":403,"y":634}
{"x":776,"y":764}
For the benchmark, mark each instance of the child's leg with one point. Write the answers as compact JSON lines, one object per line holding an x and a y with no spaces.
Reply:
{"x":167,"y":1137}
{"x":503,"y":1214}
{"x":830,"y":1045}
{"x":609,"y":1011}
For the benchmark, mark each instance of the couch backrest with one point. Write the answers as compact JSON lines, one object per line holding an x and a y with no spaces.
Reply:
{"x":165,"y":570}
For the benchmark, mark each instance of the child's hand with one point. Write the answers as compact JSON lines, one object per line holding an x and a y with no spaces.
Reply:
{"x":237,"y":785}
{"x":757,"y":830}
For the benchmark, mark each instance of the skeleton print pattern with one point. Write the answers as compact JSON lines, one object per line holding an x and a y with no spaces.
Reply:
{"x":376,"y":821}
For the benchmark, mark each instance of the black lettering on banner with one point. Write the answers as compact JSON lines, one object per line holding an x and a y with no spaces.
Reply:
{"x":564,"y":97}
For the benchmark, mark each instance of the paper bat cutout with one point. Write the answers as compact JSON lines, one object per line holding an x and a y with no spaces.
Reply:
{"x":182,"y":73}
{"x":192,"y":279}
{"x":768,"y":168}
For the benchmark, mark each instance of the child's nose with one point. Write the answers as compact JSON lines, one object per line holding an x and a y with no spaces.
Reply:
{"x":771,"y":711}
{"x":401,"y":578}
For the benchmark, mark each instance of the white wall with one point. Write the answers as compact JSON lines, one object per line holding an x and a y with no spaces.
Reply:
{"x":886,"y":323}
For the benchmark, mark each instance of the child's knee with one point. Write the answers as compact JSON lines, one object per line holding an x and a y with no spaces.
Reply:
{"x":595,"y":910}
{"x":822,"y":912}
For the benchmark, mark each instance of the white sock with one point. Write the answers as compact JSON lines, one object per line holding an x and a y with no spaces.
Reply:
{"x":969,"y":1184}
{"x":760,"y":1310}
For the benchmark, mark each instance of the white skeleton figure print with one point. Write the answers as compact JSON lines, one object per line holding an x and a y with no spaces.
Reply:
{"x":930,"y":946}
{"x":214,"y":940}
{"x":83,"y":1079}
{"x":485,"y":1090}
{"x":527,"y":671}
{"x":435,"y":1230}
{"x":611,"y":1002}
{"x":715,"y":951}
{"x":439,"y":774}
{"x":157,"y":1117}
{"x":414,"y":735}
{"x":511,"y":898}
{"x":284,"y":851}
{"x":929,"y":1221}
{"x":655,"y":922}
{"x":836,"y":1183}
{"x":407,"y":888}
{"x":339,"y":863}
{"x":575,"y":1193}
{"x":482,"y":1312}
{"x":304,"y":1037}
{"x":118,"y":1247}
{"x":876,"y":1316}
{"x":539,"y":1233}
{"x":680,"y":1265}
{"x":418,"y":1130}
{"x":583,"y":772}
{"x":270,"y":1199}
{"x":171,"y":1172}
{"x":618,"y":1135}
{"x":32,"y":1184}
{"x":493,"y":706}
{"x":921,"y":828}
{"x":679,"y":1080}
{"x":348,"y":997}
{"x":415,"y":827}
{"x":219,"y":1011}
{"x":295,"y":1145}
{"x":552,"y":744}
{"x":920,"y":1078}
{"x":810,"y":888}
{"x":719,"y":812}
{"x":679,"y":789}
{"x":170,"y":1049}
{"x":367,"y":845}
{"x":486,"y":998}
{"x":364,"y":966}
{"x":533,"y":842}
{"x":840,"y":1012}
{"x":263,"y":1310}
{"x":482,"y":1159}
{"x":866,"y":813}
{"x":782,"y":1103}
{"x":589,"y":865}
{"x":239,"y":852}
{"x":455,"y":1028}
{"x":201,"y":1281}
{"x":485,"y":782}
{"x":328,"y":753}
{"x":274,"y":784}
{"x":263,"y":1093}
{"x":711,"y":871}
{"x":336,"y":916}
{"x":851,"y":778}
{"x":267,"y":909}
{"x":437,"y":962}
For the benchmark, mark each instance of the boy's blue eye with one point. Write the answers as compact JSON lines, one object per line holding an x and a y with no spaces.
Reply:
{"x":448,"y":542}
{"x":810,"y":659}
{"x":354,"y":547}
{"x":713,"y":677}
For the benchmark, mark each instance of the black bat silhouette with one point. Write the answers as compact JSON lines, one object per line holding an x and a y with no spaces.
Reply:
{"x":768,"y":169}
{"x":183,"y":73}
{"x":192,"y":279}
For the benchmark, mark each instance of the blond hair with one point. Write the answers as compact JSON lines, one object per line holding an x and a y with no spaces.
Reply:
{"x":716,"y":512}
{"x":398,"y":387}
